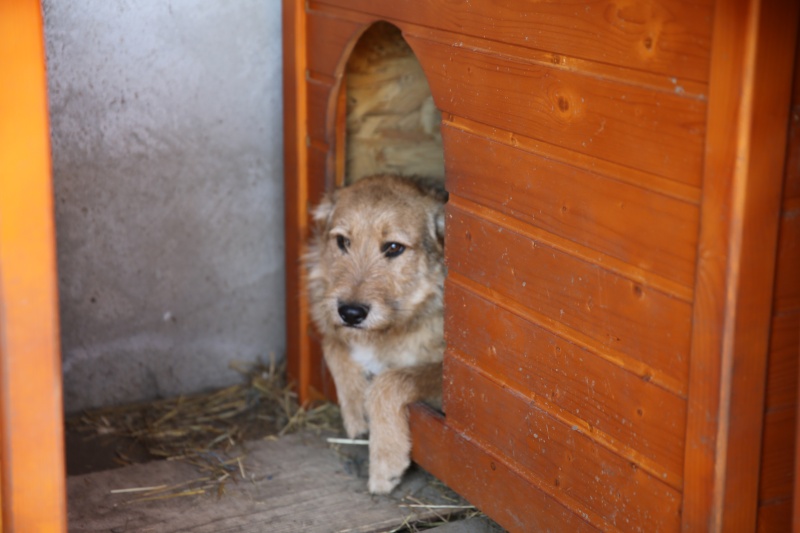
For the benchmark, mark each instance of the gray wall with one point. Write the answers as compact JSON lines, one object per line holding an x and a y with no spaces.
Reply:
{"x":167,"y":141}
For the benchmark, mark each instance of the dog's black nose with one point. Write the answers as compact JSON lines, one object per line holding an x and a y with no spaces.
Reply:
{"x":353,"y":314}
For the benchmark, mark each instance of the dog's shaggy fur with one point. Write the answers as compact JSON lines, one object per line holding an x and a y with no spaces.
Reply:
{"x":375,"y":278}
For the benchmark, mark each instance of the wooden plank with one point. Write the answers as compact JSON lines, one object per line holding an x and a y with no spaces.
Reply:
{"x":784,"y":352}
{"x":615,"y":312}
{"x":304,"y":180}
{"x":668,"y":37}
{"x":545,"y":150}
{"x":775,"y":516}
{"x":486,"y":479}
{"x":791,"y":187}
{"x":589,"y":478}
{"x":749,"y":94}
{"x":320,"y":123}
{"x":792,"y":178}
{"x":777,"y":456}
{"x":618,"y":408}
{"x":330,"y":40}
{"x":787,"y":279}
{"x":651,"y":231}
{"x":657,"y":132}
{"x":31,"y":425}
{"x":795,"y":500}
{"x":294,"y":484}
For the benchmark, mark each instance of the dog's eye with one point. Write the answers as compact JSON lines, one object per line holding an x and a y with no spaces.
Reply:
{"x":342,"y":242}
{"x":392,"y":249}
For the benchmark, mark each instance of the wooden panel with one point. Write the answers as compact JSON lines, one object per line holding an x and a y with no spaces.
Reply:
{"x":318,"y":111}
{"x":651,"y":231}
{"x":587,"y":477}
{"x":777,"y":455}
{"x":784,"y":350}
{"x":616,"y":313}
{"x":658,"y":132}
{"x":749,"y":94}
{"x":668,"y":37}
{"x":775,"y":517}
{"x":330,"y":41}
{"x":32,"y":472}
{"x":792,"y":172}
{"x":618,"y":408}
{"x":787,"y":281}
{"x":295,"y":178}
{"x":486,"y":479}
{"x":792,"y":183}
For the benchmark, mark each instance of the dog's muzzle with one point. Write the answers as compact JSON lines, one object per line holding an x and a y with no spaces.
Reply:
{"x":353,"y":314}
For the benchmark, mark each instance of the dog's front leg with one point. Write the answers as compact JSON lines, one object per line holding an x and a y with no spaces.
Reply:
{"x":351,"y":386}
{"x":387,"y":404}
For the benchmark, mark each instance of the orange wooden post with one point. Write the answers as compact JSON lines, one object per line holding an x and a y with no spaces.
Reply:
{"x":295,"y":155}
{"x":31,"y":426}
{"x":749,"y":96}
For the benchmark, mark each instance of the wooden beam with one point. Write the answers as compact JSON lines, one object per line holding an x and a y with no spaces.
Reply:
{"x":796,"y":484}
{"x":31,"y":425}
{"x":295,"y":161}
{"x":749,"y":94}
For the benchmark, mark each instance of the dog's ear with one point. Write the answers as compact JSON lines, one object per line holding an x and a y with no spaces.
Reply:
{"x":323,"y":211}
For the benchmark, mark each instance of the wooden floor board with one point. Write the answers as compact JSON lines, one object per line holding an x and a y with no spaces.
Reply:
{"x":297,"y":483}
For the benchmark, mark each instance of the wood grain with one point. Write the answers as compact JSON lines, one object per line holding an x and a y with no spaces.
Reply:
{"x":784,"y":351}
{"x":749,"y":96}
{"x":625,"y":174}
{"x":320,"y":108}
{"x":32,"y":471}
{"x":658,"y":132}
{"x":791,"y":188}
{"x":295,"y":484}
{"x":614,"y":407}
{"x":667,"y":37}
{"x":787,"y":277}
{"x":587,"y":477}
{"x":616,"y":312}
{"x":295,"y":191}
{"x":777,"y":455}
{"x":486,"y":479}
{"x":648,"y":230}
{"x":775,"y":516}
{"x":330,"y":40}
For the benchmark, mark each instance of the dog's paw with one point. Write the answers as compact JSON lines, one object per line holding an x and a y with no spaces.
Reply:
{"x":382,"y":485}
{"x":386,"y":472}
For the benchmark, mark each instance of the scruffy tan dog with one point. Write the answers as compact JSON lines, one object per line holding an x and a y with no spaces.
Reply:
{"x":375,"y":277}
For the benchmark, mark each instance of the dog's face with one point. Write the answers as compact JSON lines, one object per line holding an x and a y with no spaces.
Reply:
{"x":376,"y":262}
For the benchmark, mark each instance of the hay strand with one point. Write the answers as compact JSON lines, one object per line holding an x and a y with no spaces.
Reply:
{"x":201,"y":429}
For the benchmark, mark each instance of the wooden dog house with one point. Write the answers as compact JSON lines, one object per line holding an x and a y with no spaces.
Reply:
{"x":623,"y":246}
{"x":623,"y":301}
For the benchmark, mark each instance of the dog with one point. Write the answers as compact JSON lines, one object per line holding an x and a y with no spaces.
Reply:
{"x":375,"y":276}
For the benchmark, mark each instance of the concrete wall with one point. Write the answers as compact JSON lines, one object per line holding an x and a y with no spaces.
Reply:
{"x":167,"y":142}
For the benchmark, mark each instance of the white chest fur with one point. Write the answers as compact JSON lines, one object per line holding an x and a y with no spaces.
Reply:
{"x":367,"y":358}
{"x":377,"y":361}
